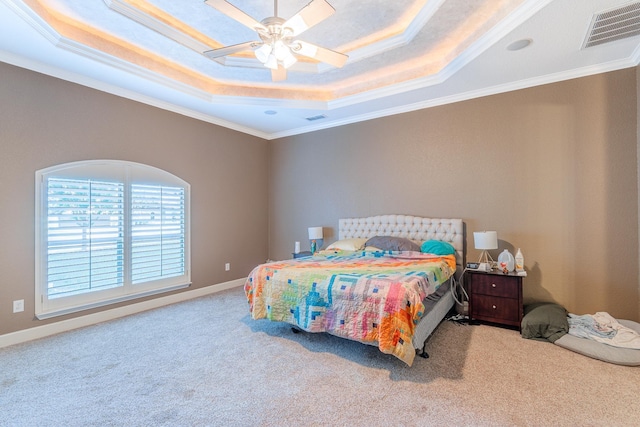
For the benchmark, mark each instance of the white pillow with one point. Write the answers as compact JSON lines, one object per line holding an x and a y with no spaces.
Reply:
{"x":355,"y":244}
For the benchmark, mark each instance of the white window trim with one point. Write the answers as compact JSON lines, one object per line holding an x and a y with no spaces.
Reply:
{"x":130,"y":173}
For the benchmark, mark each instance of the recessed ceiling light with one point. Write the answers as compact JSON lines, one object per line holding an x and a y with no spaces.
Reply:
{"x":519,"y":44}
{"x":270,"y":112}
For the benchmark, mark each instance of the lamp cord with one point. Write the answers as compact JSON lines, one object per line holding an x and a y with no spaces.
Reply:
{"x":459,"y":284}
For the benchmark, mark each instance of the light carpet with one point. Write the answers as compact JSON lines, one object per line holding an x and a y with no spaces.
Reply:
{"x":204,"y":362}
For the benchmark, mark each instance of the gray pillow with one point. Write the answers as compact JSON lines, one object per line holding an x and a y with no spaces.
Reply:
{"x":544,"y":321}
{"x":604,"y":352}
{"x":391,"y":243}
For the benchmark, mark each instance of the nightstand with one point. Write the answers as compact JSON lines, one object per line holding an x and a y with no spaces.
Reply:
{"x":301,"y":254}
{"x":495,"y":297}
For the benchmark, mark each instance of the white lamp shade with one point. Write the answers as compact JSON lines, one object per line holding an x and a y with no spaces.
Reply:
{"x":263,"y":52}
{"x":485,"y":240}
{"x":289,"y":60}
{"x":280,"y":50}
{"x":272,"y":62}
{"x":315,"y":233}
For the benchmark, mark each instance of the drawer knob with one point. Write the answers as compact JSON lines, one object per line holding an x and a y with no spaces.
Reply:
{"x":494,"y":307}
{"x":493,"y":285}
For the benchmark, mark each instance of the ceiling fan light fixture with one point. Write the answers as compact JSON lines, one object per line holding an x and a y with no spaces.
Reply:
{"x":289,"y":60}
{"x":271,"y":62}
{"x":280,"y":50}
{"x":273,"y":53}
{"x":282,"y":53}
{"x":263,"y":52}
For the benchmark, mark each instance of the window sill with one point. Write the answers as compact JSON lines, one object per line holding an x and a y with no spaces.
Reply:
{"x":75,"y":309}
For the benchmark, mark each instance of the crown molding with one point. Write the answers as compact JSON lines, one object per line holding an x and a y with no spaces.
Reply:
{"x":148,"y":21}
{"x":373,"y":49}
{"x":131,"y":69}
{"x":465,"y":96}
{"x":46,"y":30}
{"x":33,"y":19}
{"x":494,"y":35}
{"x":82,"y":80}
{"x":398,"y":40}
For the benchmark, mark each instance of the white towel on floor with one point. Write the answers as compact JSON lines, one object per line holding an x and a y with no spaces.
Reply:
{"x":623,"y":337}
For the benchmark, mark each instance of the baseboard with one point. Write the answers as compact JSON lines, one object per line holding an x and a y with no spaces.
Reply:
{"x":103,"y":316}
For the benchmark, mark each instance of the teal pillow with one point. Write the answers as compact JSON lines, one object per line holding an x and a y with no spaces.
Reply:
{"x":437,"y":247}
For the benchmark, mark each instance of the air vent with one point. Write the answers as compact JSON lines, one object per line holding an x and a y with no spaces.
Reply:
{"x":318,"y":117}
{"x":614,"y":25}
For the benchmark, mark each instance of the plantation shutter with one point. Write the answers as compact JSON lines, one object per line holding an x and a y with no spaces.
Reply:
{"x":85,"y":236}
{"x":157,"y":232}
{"x":108,"y":231}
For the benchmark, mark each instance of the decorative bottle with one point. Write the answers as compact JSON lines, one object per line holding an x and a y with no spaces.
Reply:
{"x":519,"y":261}
{"x":313,"y":246}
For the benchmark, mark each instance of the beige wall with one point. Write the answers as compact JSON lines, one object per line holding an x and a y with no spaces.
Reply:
{"x":552,"y":169}
{"x":45,"y":121}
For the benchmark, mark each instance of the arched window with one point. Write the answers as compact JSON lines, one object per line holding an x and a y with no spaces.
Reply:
{"x":108,"y":231}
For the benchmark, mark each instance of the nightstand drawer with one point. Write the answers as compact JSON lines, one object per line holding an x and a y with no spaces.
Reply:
{"x":495,"y":297}
{"x":495,"y":285}
{"x":495,"y":309}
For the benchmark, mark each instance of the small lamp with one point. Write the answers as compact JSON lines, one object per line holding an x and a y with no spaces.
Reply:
{"x":315,"y":238}
{"x":485,"y":240}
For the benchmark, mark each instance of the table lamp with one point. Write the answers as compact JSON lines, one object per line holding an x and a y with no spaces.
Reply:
{"x":485,"y":240}
{"x":315,"y":238}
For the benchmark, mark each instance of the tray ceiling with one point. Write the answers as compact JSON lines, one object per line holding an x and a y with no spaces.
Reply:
{"x":402,"y":55}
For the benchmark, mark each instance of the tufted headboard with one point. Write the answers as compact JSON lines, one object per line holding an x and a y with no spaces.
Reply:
{"x":412,"y":227}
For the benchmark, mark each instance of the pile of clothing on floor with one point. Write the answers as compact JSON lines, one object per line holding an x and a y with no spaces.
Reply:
{"x":602,"y":327}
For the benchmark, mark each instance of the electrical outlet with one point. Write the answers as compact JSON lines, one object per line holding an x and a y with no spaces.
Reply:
{"x":227,"y":267}
{"x":18,"y":306}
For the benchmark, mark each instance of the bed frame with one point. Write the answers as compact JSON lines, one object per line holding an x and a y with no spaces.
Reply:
{"x":420,"y":229}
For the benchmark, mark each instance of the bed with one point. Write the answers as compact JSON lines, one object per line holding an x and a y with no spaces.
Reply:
{"x":388,"y":293}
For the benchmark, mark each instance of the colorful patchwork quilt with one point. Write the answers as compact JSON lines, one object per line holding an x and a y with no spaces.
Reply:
{"x":371,"y":297}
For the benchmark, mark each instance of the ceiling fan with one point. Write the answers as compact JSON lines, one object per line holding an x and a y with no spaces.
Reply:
{"x":278,"y":45}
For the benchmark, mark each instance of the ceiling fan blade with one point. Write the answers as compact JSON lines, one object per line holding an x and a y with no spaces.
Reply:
{"x":229,"y":50}
{"x":235,"y":13}
{"x":313,"y":13}
{"x":322,"y":54}
{"x":279,"y":74}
